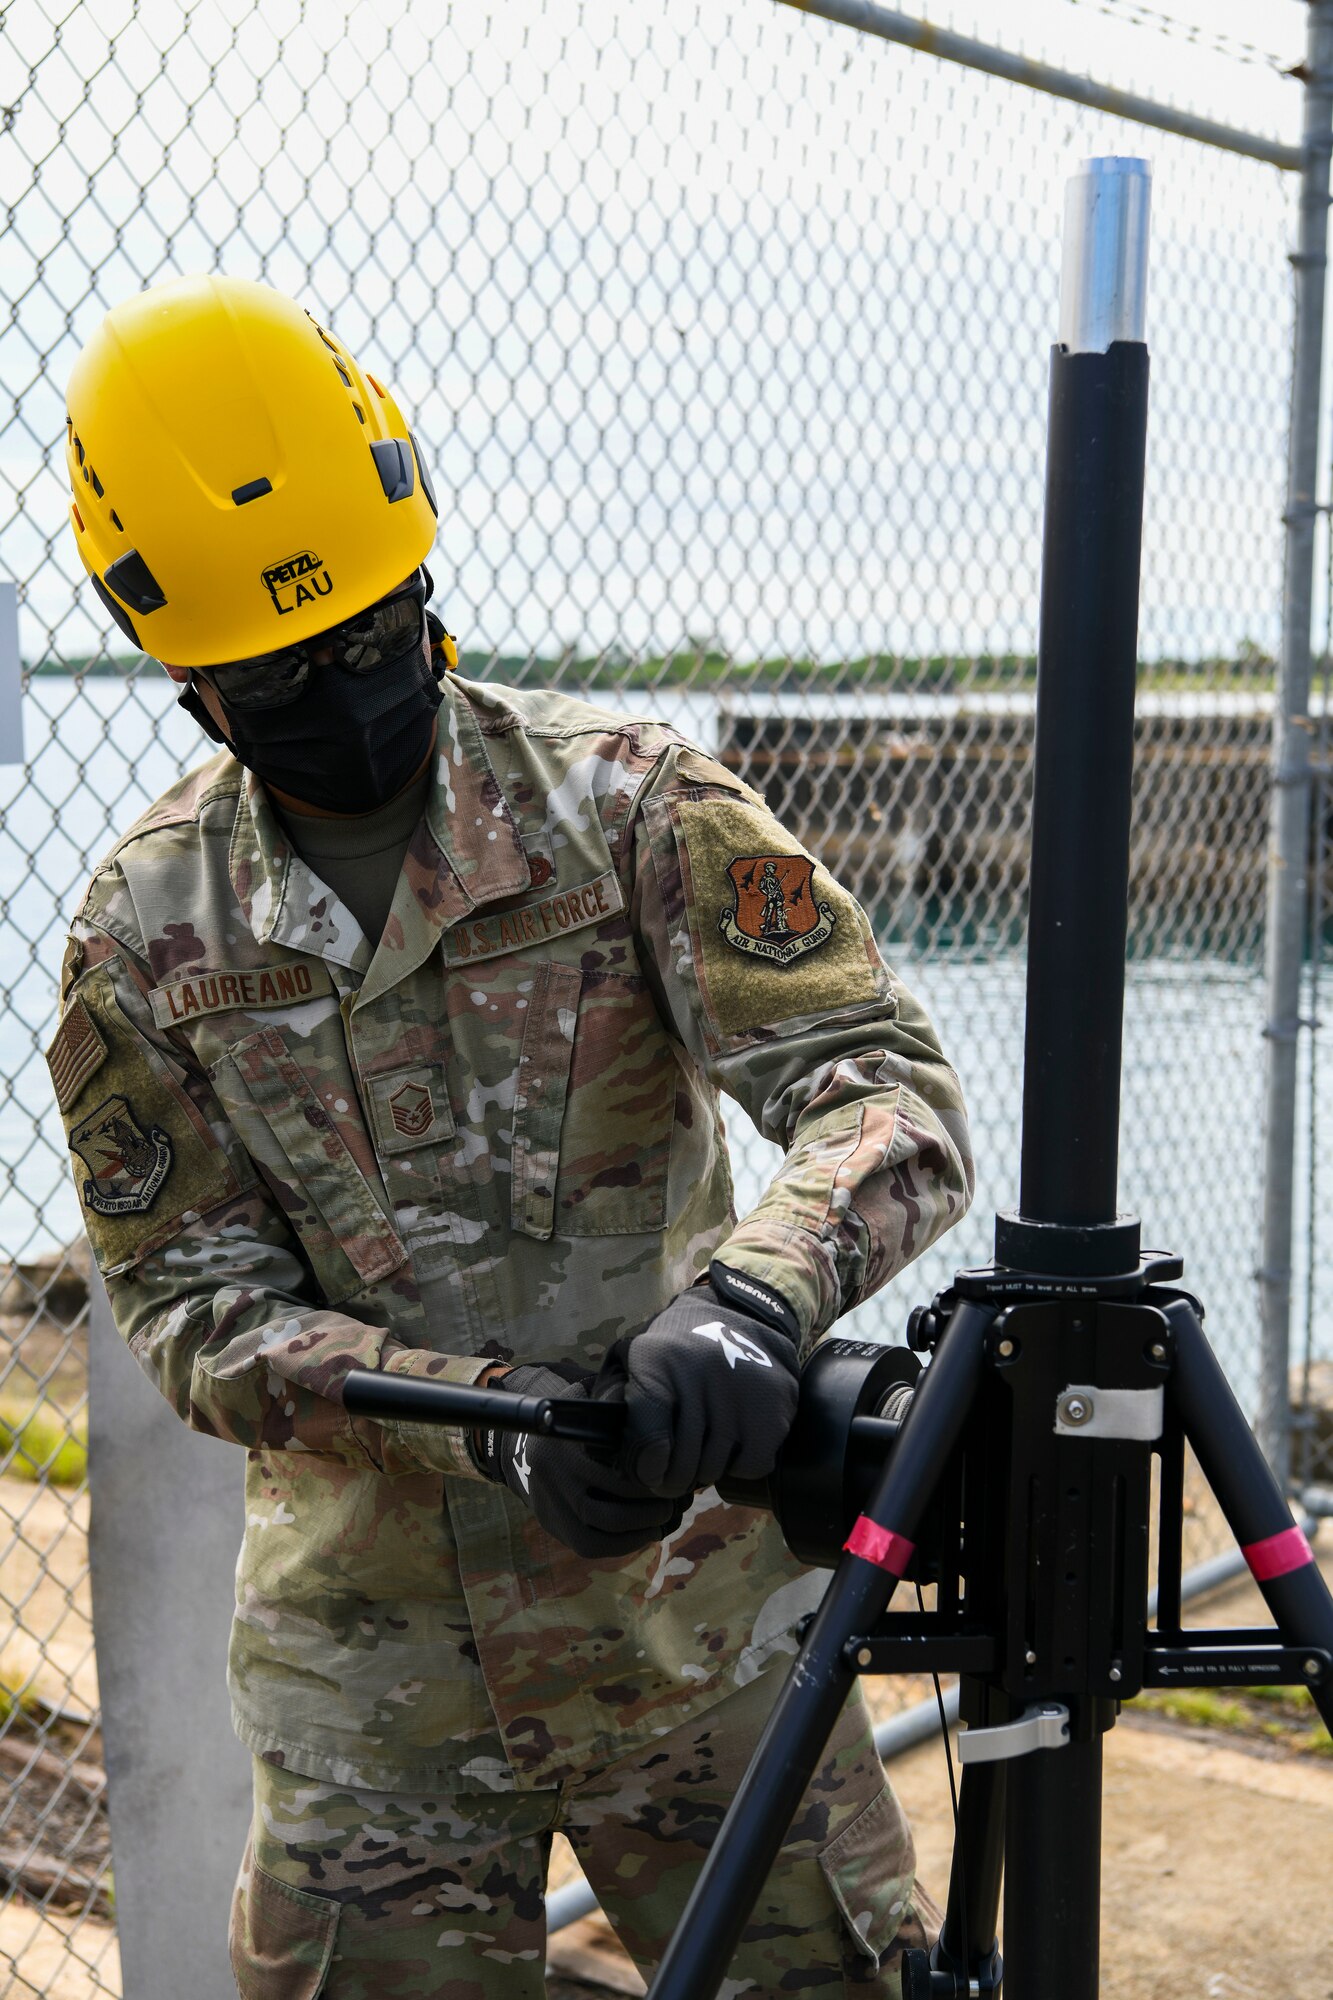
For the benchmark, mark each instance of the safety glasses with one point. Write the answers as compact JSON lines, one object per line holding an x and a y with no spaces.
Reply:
{"x":382,"y":633}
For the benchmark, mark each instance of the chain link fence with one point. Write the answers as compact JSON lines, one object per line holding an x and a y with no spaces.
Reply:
{"x":726,"y":333}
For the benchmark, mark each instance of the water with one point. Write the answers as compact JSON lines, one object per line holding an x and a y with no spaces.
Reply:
{"x":1190,"y":1132}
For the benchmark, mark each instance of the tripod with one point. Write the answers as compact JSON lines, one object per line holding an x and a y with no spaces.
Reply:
{"x":1058,"y":1373}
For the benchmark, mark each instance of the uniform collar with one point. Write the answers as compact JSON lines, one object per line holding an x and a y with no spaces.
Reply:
{"x":466,"y":852}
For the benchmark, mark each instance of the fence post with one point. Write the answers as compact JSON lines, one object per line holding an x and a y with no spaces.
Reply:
{"x":1289,"y":809}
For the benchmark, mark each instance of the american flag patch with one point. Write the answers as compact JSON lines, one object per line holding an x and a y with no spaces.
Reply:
{"x":75,"y":1054}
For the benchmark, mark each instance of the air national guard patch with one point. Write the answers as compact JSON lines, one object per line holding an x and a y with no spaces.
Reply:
{"x":126,"y":1165}
{"x":776,"y":917}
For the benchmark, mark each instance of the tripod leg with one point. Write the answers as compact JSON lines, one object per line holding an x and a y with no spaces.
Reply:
{"x":1052,"y":1871}
{"x":877,"y":1551}
{"x":1278,"y":1554}
{"x":968,"y":1940}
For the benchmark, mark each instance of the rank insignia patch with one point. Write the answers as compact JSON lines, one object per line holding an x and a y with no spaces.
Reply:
{"x":411,"y":1109}
{"x":776,"y":917}
{"x":126,"y":1165}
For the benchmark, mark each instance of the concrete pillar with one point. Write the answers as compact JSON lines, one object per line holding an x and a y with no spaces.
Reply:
{"x":167,"y":1517}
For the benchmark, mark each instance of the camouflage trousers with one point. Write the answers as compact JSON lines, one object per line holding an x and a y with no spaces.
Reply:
{"x":351,"y":1895}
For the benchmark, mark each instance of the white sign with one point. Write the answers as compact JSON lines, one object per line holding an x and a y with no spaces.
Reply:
{"x":11,"y":677}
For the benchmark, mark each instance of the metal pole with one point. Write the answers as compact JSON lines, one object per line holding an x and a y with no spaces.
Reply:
{"x":1086,"y":660}
{"x":1289,"y":811}
{"x":888,"y":25}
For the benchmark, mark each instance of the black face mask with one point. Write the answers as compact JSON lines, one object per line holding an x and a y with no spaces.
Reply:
{"x":349,"y":742}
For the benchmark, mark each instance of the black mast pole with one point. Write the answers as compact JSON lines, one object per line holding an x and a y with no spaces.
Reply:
{"x":1087,"y":655}
{"x":1068,"y":1225}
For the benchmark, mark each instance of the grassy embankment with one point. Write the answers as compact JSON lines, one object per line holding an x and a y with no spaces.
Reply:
{"x":703,"y":667}
{"x":37,"y":1444}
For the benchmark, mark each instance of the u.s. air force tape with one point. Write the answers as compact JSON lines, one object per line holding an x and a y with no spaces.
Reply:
{"x":488,"y":935}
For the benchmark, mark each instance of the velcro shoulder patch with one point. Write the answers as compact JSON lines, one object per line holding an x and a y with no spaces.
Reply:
{"x":774,"y":936}
{"x":77,"y":1053}
{"x":244,"y":991}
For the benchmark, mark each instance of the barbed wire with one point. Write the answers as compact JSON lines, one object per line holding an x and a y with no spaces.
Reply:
{"x":1133,"y":13}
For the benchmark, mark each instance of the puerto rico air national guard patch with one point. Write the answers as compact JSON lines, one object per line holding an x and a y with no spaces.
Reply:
{"x":776,"y":916}
{"x":126,"y":1165}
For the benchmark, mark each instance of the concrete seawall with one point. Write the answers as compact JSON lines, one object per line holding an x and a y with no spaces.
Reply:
{"x":921,"y":804}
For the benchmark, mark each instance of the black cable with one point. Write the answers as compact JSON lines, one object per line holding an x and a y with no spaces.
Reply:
{"x":958,"y":1861}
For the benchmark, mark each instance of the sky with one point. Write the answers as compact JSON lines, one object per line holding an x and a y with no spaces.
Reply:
{"x":719,"y":322}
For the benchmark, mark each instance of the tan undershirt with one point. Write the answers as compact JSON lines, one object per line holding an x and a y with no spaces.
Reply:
{"x":361,"y":858}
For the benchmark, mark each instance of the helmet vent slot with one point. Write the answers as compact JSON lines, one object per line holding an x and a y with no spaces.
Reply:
{"x":130,"y":577}
{"x":98,"y":487}
{"x":360,"y":413}
{"x":393,"y":462}
{"x":116,"y":521}
{"x":253,"y":489}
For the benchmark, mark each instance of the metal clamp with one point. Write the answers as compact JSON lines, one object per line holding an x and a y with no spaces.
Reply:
{"x":1085,"y":1410}
{"x":1045,"y":1726}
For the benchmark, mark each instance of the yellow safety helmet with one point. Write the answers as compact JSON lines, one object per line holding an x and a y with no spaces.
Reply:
{"x":240,"y":484}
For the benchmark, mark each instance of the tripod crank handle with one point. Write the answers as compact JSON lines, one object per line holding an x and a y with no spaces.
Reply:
{"x":404,"y":1399}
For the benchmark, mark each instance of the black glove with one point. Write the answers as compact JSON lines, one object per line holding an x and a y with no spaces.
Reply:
{"x":593,"y":1508}
{"x":710,"y":1390}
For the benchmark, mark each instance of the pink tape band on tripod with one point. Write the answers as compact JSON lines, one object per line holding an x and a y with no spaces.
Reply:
{"x":1277,"y":1555}
{"x":880,"y":1546}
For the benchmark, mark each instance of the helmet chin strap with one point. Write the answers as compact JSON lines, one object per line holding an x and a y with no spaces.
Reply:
{"x":443,"y":651}
{"x":441,"y":646}
{"x":192,"y":702}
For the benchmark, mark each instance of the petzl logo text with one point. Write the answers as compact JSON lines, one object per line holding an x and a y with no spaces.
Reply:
{"x":295,"y":581}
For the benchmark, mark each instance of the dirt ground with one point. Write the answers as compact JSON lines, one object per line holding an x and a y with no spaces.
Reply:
{"x":1217,"y":1866}
{"x":1217,"y":1871}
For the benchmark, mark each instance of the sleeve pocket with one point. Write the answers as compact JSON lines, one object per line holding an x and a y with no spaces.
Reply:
{"x":281,"y":1940}
{"x":870,"y":1871}
{"x":146,"y":1162}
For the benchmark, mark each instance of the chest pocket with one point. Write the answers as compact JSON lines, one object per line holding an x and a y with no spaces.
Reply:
{"x":593,"y":1107}
{"x":317,"y":1157}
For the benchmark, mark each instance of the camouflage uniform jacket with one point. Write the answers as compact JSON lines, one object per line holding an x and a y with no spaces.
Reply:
{"x":495,"y":1136}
